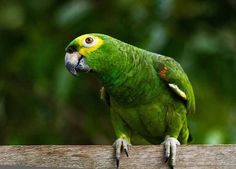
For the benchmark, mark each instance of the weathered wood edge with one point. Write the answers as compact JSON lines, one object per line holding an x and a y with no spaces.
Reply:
{"x":102,"y":156}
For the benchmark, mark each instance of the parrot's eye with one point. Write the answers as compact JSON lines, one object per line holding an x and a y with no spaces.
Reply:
{"x":89,"y":41}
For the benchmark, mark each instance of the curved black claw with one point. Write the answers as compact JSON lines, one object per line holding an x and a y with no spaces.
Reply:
{"x":117,"y":162}
{"x":126,"y":152}
{"x":170,"y":145}
{"x":121,"y":145}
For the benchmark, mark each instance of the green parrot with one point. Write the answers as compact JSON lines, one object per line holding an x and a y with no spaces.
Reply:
{"x":148,"y":94}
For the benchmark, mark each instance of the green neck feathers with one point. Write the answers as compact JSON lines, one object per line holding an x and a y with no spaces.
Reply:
{"x":125,"y":75}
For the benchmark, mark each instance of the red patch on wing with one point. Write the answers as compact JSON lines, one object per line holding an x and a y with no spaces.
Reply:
{"x":163,"y":73}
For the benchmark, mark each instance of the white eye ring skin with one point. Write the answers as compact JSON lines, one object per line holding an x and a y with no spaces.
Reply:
{"x":89,"y":42}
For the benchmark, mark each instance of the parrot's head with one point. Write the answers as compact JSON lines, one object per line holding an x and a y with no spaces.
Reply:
{"x":87,"y":53}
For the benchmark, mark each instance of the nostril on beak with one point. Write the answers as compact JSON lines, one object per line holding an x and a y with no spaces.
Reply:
{"x":71,"y":49}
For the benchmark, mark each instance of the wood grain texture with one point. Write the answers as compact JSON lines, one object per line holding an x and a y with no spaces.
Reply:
{"x":102,"y":156}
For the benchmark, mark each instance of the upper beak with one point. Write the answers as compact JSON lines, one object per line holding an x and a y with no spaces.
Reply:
{"x":75,"y":63}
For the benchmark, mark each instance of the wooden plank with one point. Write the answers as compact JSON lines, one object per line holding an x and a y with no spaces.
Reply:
{"x":102,"y":156}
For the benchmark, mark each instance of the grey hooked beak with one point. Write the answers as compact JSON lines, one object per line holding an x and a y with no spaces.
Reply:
{"x":75,"y":63}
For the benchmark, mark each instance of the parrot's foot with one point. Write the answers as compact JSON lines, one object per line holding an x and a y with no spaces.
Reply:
{"x":170,"y":150}
{"x":121,"y":145}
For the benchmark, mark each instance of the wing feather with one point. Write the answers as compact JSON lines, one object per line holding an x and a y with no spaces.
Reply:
{"x":173,"y":74}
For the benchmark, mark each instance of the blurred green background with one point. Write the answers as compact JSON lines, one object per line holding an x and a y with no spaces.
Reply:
{"x":41,"y":103}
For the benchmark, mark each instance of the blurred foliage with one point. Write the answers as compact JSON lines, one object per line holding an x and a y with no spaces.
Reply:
{"x":41,"y":103}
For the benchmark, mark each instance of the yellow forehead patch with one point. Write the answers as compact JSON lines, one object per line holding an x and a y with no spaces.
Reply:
{"x":87,"y":49}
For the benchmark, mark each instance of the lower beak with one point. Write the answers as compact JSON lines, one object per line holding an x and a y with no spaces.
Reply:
{"x":75,"y":63}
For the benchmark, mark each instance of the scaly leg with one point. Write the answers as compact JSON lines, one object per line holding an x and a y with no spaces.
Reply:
{"x":122,"y":132}
{"x":170,"y":150}
{"x":121,"y":145}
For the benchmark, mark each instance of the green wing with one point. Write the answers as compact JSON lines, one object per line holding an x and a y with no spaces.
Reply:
{"x":172,"y":73}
